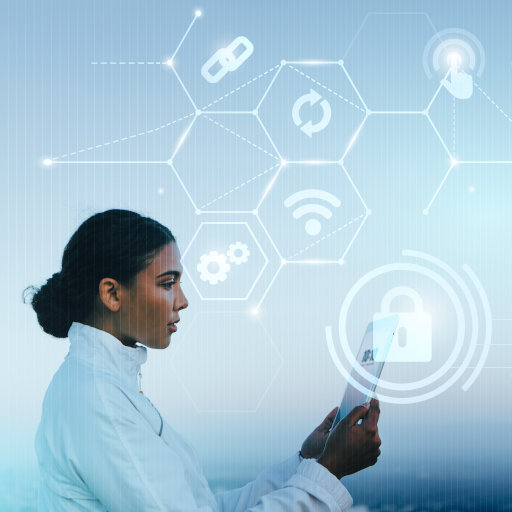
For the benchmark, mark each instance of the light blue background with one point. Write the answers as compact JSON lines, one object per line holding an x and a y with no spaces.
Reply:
{"x":57,"y":102}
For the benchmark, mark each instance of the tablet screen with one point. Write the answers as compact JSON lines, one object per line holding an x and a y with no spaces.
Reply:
{"x":370,"y":358}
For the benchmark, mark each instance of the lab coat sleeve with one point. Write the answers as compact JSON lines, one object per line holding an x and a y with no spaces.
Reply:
{"x":128,"y":467}
{"x":291,"y":485}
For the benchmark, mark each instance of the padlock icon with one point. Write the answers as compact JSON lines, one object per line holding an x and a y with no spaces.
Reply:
{"x":412,"y":342}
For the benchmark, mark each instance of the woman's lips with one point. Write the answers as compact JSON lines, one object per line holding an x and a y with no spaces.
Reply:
{"x":172,"y":328}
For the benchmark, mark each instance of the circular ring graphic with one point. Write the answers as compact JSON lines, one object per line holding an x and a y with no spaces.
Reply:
{"x":408,"y":267}
{"x":460,"y":334}
{"x":439,"y":38}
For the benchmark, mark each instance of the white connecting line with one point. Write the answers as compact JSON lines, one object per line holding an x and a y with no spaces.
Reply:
{"x":454,"y":161}
{"x":210,"y":116}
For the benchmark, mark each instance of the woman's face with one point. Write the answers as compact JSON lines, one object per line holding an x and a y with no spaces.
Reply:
{"x":150,"y":310}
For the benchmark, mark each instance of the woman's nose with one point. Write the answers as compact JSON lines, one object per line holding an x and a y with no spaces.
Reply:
{"x":181,"y":301}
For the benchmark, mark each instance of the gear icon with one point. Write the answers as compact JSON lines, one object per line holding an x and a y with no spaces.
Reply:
{"x":213,"y":258}
{"x":238,"y":253}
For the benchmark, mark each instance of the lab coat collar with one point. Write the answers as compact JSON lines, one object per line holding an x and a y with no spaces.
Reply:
{"x":101,"y":350}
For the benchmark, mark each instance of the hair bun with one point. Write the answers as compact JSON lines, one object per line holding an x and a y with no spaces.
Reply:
{"x":52,"y":305}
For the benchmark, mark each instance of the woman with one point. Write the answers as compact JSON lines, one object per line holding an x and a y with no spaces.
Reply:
{"x":101,"y":444}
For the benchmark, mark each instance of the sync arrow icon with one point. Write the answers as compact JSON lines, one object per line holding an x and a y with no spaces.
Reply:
{"x":312,"y":97}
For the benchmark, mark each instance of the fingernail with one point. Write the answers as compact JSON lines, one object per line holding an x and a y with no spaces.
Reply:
{"x":366,"y":405}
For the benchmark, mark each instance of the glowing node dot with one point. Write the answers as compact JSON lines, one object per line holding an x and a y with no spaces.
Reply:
{"x":368,"y":212}
{"x":283,"y":261}
{"x":169,"y":62}
{"x":255,"y":211}
{"x":255,"y":311}
{"x":255,"y":112}
{"x":169,"y":162}
{"x":426,"y":211}
{"x":198,"y":13}
{"x":340,"y":62}
{"x":454,"y":162}
{"x":198,"y":112}
{"x":341,"y":261}
{"x":283,"y":62}
{"x":161,"y":191}
{"x":283,"y":163}
{"x":198,"y":212}
{"x":471,"y":189}
{"x":47,"y":162}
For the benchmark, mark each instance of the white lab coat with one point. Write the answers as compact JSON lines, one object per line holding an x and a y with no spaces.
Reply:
{"x":102,"y":446}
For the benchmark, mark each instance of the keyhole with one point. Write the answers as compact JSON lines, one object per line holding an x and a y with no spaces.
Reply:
{"x":402,"y":337}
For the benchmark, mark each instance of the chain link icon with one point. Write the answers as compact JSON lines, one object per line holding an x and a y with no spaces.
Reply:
{"x":227,"y":59}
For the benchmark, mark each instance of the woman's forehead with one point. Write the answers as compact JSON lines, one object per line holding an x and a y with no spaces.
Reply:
{"x":167,"y":259}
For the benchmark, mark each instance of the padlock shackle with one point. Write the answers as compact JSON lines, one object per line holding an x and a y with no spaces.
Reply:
{"x":401,"y":291}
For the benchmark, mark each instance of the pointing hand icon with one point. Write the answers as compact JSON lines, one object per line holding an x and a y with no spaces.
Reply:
{"x":460,"y":85}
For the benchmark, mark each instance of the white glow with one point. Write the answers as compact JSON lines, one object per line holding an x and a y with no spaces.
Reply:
{"x":283,"y":261}
{"x":255,"y":311}
{"x":161,"y":191}
{"x":471,"y":189}
{"x":198,"y":13}
{"x":283,"y":163}
{"x":454,"y":162}
{"x":47,"y":162}
{"x":454,"y":59}
{"x":169,"y":62}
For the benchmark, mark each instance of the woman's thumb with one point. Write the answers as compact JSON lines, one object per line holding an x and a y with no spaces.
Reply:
{"x":356,"y":414}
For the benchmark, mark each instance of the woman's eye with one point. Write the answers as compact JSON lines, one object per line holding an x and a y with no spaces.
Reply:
{"x":169,"y":284}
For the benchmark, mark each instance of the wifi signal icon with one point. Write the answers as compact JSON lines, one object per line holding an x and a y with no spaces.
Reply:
{"x":312,"y":226}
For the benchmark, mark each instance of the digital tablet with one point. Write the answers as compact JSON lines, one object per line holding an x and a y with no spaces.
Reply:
{"x":376,"y":340}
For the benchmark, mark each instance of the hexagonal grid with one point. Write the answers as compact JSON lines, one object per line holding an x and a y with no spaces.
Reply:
{"x":48,"y":161}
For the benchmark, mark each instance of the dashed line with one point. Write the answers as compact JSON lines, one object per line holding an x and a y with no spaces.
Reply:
{"x":346,"y":100}
{"x":261,"y":75}
{"x":90,"y":148}
{"x":240,"y":137}
{"x":126,"y":63}
{"x":327,"y":236}
{"x":262,"y":173}
{"x":493,"y":102}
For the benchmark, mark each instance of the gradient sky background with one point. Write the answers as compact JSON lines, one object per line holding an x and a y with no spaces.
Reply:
{"x":246,"y":389}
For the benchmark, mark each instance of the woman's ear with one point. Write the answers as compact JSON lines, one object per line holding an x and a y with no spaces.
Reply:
{"x":110,"y":293}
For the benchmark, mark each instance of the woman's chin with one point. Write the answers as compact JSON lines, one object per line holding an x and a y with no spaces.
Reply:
{"x":165,"y":342}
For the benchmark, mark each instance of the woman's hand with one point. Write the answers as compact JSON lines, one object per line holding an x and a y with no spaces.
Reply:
{"x":352,"y":447}
{"x":314,"y":444}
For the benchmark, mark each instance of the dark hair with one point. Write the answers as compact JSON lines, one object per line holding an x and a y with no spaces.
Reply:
{"x":114,"y":243}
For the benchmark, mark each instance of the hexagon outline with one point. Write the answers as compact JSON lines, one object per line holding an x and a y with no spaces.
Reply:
{"x":181,"y":141}
{"x":266,"y":390}
{"x":356,"y":35}
{"x":339,"y":63}
{"x":257,"y":278}
{"x":339,"y":261}
{"x":372,"y":13}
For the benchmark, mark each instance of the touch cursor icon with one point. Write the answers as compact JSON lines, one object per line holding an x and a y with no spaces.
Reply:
{"x":312,"y":98}
{"x":460,"y":85}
